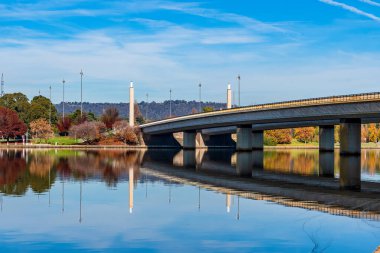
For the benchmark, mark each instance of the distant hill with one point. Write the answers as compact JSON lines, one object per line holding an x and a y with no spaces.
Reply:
{"x":155,"y":110}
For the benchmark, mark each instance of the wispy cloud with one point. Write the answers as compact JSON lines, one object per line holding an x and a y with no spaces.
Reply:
{"x":351,"y":9}
{"x":370,"y":2}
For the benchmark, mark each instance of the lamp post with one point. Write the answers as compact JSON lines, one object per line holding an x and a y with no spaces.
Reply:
{"x":63,"y":99}
{"x":147,"y":106}
{"x":170,"y":103}
{"x":81,"y":92}
{"x":200,"y":97}
{"x":238,"y":77}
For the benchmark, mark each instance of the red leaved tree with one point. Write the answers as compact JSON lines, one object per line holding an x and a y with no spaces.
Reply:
{"x":10,"y":124}
{"x":64,"y":125}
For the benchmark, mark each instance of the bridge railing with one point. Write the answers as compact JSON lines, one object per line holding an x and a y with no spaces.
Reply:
{"x":285,"y":104}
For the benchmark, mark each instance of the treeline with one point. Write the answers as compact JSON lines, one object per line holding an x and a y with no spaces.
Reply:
{"x":151,"y":111}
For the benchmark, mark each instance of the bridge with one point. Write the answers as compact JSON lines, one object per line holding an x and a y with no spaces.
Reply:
{"x":213,"y":129}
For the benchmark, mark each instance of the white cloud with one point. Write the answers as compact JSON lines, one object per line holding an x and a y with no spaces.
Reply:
{"x":370,"y":2}
{"x":351,"y":9}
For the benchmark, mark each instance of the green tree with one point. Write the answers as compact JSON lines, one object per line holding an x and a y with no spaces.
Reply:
{"x":39,"y":109}
{"x":208,"y":109}
{"x":17,"y":102}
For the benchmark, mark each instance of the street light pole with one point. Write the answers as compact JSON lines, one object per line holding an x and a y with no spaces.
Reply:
{"x":200,"y":97}
{"x":238,"y":77}
{"x":81,"y":92}
{"x":63,"y":99}
{"x":170,"y":104}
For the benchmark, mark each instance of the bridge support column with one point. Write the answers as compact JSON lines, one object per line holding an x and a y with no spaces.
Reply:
{"x":160,"y":141}
{"x":350,"y":135}
{"x":326,"y":138}
{"x":244,"y":138}
{"x":189,"y":139}
{"x":258,"y":139}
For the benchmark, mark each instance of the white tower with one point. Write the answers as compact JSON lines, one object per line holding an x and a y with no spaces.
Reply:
{"x":131,"y":105}
{"x":229,"y":97}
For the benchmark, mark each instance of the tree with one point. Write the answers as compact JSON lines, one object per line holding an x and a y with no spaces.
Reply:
{"x":87,"y":131}
{"x":64,"y":125}
{"x":17,"y":102}
{"x":110,"y":116}
{"x":373,"y":133}
{"x":10,"y":124}
{"x":138,"y":116}
{"x":40,"y":128}
{"x":304,"y":134}
{"x":281,"y":136}
{"x":77,"y":118}
{"x":39,"y":109}
{"x":194,"y":111}
{"x":208,"y":109}
{"x":126,"y":133}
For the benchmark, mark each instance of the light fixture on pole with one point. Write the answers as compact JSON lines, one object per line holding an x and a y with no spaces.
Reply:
{"x":63,"y":99}
{"x":238,"y":77}
{"x":170,"y":103}
{"x":81,"y":93}
{"x":200,"y":97}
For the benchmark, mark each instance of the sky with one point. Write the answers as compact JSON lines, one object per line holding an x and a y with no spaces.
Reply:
{"x":282,"y":50}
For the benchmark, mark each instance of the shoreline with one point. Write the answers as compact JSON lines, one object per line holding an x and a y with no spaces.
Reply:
{"x":143,"y":147}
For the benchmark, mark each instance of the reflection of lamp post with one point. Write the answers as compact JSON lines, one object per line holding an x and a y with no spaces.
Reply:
{"x":63,"y":194}
{"x":238,"y":213}
{"x":170,"y":192}
{"x":80,"y":202}
{"x":199,"y":198}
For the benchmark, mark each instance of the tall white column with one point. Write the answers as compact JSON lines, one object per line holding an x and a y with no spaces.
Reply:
{"x":229,"y":97}
{"x":131,"y":105}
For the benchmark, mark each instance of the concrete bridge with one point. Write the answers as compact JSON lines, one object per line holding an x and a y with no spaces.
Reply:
{"x":214,"y":129}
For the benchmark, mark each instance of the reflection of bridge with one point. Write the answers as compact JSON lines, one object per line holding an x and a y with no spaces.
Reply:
{"x":214,"y":128}
{"x":242,"y":178}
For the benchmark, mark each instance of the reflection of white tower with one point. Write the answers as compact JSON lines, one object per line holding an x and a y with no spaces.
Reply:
{"x":228,"y":202}
{"x":229,"y":97}
{"x":130,"y":190}
{"x":131,"y":105}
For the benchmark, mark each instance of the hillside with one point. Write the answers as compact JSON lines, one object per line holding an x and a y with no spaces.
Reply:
{"x":155,"y":110}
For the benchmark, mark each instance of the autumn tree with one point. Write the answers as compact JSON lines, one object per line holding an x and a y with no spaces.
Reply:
{"x":138,"y":116}
{"x":64,"y":125}
{"x":39,"y":109}
{"x":208,"y":109}
{"x":126,"y":133}
{"x":281,"y":136}
{"x":17,"y":102}
{"x":87,"y":131}
{"x":364,"y":133}
{"x":373,"y":133}
{"x":10,"y":124}
{"x":41,"y":129}
{"x":304,"y":134}
{"x":110,"y":116}
{"x":194,"y":111}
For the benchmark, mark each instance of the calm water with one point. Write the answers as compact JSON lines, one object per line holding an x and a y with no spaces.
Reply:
{"x":176,"y":201}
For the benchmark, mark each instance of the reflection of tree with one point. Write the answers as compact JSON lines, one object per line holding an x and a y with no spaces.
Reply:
{"x":370,"y":161}
{"x":12,"y":173}
{"x":40,"y":168}
{"x":303,"y":163}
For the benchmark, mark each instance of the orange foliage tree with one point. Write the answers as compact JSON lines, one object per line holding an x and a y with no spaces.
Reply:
{"x":373,"y":133}
{"x":304,"y":134}
{"x":40,"y":128}
{"x":281,"y":136}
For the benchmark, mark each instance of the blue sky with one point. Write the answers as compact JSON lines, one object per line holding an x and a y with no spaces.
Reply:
{"x":282,"y":49}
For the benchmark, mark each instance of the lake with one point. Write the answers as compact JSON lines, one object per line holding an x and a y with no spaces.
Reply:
{"x":188,"y":201}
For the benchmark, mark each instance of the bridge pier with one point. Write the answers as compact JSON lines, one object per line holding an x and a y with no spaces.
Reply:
{"x":189,"y":139}
{"x":350,"y":137}
{"x":161,"y":140}
{"x":326,"y":138}
{"x":244,"y":138}
{"x":258,"y":139}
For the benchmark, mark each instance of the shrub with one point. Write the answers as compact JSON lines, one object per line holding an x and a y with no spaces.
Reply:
{"x":281,"y":136}
{"x":269,"y":141}
{"x":64,"y":125}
